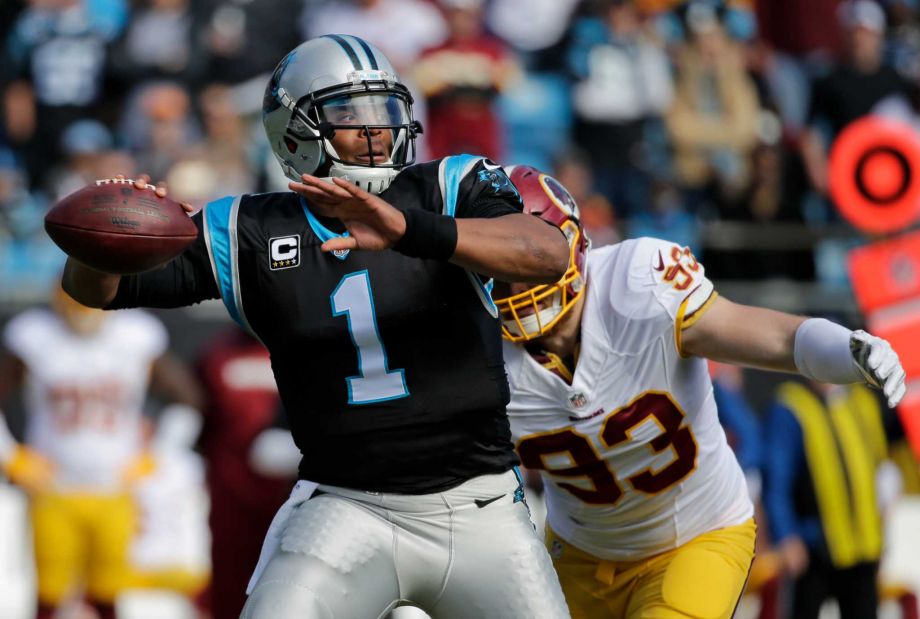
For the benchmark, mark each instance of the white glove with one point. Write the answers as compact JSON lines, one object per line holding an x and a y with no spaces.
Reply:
{"x":879,"y":365}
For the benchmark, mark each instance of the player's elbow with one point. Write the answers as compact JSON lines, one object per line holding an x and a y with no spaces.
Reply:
{"x":81,"y":296}
{"x":87,"y":287}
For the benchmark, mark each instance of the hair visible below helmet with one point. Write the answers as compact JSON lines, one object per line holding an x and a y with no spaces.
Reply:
{"x":319,"y":85}
{"x":530,"y":314}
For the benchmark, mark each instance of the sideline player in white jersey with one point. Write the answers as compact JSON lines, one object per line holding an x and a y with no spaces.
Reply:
{"x":648,"y":513}
{"x":84,"y":378}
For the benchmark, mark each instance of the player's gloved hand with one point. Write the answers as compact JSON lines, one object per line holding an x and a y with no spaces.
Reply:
{"x":142,"y":466}
{"x":879,"y":365}
{"x":29,"y":469}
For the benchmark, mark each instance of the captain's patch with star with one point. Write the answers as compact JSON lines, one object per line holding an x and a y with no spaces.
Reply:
{"x":284,"y":252}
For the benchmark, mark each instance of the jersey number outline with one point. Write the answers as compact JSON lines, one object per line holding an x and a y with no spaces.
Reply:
{"x":682,"y":258}
{"x":374,"y":382}
{"x":588,"y":464}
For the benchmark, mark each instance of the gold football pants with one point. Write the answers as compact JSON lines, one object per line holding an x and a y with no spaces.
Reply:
{"x":702,"y":579}
{"x":82,"y":539}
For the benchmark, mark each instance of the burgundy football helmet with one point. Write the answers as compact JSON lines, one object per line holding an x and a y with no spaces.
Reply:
{"x":533,"y":312}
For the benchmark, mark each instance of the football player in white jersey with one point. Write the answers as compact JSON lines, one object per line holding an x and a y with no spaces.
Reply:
{"x":648,"y":513}
{"x":84,"y":379}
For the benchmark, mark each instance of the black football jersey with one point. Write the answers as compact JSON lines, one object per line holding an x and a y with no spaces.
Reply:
{"x":389,"y":367}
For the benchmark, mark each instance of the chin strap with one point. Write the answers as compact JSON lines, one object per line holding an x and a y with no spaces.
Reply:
{"x":372,"y":180}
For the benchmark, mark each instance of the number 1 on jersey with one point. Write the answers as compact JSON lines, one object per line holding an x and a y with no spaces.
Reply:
{"x":374,"y":382}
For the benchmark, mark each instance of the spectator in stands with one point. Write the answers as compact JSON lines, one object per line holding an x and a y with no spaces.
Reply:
{"x":54,"y":67}
{"x":402,"y":29}
{"x":825,"y":444}
{"x":245,"y":39}
{"x":798,"y":45}
{"x":622,"y":82}
{"x":739,"y":421}
{"x":162,"y":42}
{"x":771,"y":196}
{"x":852,"y":88}
{"x":21,"y":212}
{"x":461,"y":79}
{"x":799,"y":29}
{"x":251,"y":463}
{"x":666,"y":216}
{"x":573,"y":171}
{"x":532,"y":27}
{"x":744,"y":433}
{"x":903,"y":46}
{"x":158,"y":127}
{"x":713,"y":121}
{"x":29,"y":261}
{"x":219,"y":162}
{"x":84,"y":145}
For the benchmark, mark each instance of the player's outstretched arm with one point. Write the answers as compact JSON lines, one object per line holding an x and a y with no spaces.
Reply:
{"x":814,"y":347}
{"x":512,"y":248}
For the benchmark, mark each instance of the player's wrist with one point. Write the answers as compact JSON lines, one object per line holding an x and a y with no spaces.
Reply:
{"x":428,"y":235}
{"x":822,"y":352}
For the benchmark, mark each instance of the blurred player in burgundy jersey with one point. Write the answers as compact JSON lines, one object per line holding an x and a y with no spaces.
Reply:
{"x":249,"y":473}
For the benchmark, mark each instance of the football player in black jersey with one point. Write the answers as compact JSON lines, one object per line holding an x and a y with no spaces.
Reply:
{"x":369,"y":283}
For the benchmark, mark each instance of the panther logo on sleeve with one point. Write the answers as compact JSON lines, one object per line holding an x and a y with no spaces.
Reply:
{"x":497,"y":179}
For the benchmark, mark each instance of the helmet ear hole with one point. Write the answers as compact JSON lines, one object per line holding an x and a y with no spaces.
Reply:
{"x":290,"y":144}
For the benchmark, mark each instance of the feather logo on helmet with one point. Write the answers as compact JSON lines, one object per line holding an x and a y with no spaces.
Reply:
{"x":560,"y":196}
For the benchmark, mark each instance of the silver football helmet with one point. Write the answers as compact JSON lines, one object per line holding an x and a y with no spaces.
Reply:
{"x":339,"y":83}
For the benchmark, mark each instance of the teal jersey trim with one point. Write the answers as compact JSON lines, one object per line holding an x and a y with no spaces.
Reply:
{"x":322,"y":231}
{"x":220,"y":235}
{"x":452,"y":172}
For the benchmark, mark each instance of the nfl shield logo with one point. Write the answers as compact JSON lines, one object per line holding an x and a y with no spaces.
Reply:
{"x":578,"y":399}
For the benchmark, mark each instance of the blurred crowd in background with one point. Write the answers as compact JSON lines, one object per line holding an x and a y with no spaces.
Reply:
{"x":705,"y":122}
{"x":663,"y":117}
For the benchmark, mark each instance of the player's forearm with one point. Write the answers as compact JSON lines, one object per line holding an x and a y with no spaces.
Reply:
{"x":88,"y":286}
{"x":744,"y":335}
{"x":518,"y":248}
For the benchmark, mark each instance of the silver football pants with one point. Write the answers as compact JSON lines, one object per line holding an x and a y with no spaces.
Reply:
{"x":470,"y":552}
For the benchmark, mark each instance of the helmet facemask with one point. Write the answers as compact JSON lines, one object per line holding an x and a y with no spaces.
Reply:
{"x":534,"y":312}
{"x":373,"y":104}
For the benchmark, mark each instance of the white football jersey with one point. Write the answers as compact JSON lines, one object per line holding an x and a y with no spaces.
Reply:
{"x":84,"y":394}
{"x":633,"y":457}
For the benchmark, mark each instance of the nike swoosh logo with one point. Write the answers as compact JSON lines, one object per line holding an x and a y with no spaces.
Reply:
{"x":660,"y":266}
{"x":480,"y":503}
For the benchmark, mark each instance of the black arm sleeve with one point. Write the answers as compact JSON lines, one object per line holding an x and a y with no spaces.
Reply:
{"x":186,"y":280}
{"x":486,"y":191}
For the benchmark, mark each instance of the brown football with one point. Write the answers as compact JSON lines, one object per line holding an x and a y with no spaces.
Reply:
{"x":115,"y":227}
